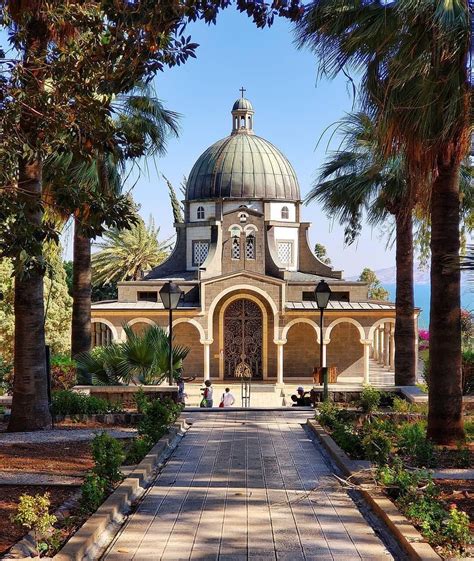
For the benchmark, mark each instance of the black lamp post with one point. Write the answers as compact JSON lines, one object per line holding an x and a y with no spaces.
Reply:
{"x":170,"y":295}
{"x":322,"y":293}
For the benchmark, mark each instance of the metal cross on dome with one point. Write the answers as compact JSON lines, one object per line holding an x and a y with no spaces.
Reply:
{"x":242,"y":90}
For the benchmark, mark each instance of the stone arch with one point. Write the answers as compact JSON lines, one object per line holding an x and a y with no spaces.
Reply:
{"x":289,"y":325}
{"x":136,"y":321}
{"x":332,"y":325}
{"x":196,"y":324}
{"x":302,"y":349}
{"x":378,"y":323}
{"x":188,"y":333}
{"x":109,"y":324}
{"x":345,"y":350}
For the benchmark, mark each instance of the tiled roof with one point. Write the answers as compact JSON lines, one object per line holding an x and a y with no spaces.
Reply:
{"x":341,"y":305}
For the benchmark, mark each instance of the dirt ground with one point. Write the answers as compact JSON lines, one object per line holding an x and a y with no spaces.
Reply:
{"x":65,"y":459}
{"x":9,"y":496}
{"x":461,"y":493}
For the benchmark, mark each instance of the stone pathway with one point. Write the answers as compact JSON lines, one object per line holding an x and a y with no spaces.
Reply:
{"x":247,"y":485}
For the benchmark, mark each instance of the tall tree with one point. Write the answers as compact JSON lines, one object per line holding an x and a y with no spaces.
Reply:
{"x":321,"y":252}
{"x":128,"y":254}
{"x":415,"y":81}
{"x":356,"y":181}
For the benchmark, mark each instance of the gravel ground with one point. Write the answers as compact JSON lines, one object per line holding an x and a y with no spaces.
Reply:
{"x":62,"y":435}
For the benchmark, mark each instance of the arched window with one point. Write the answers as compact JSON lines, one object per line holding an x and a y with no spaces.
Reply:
{"x":235,"y":251}
{"x":285,"y":213}
{"x":250,"y":246}
{"x":200,"y":213}
{"x":101,"y":334}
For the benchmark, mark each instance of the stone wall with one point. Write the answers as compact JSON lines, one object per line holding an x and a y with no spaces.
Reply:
{"x":301,"y":351}
{"x":186,"y":334}
{"x":345,"y":350}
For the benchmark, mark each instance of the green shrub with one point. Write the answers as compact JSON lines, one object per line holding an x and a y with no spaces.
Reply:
{"x":401,"y":405}
{"x":137,"y":450}
{"x":370,"y":399}
{"x":66,"y":402}
{"x":462,"y":457}
{"x":455,"y":531}
{"x":329,"y":414}
{"x":94,"y":490}
{"x":6,"y":376}
{"x":469,"y":430}
{"x":347,"y":437}
{"x":108,"y":457}
{"x":63,"y":372}
{"x":157,"y":416}
{"x":377,"y":446}
{"x":412,"y":442}
{"x":33,"y":514}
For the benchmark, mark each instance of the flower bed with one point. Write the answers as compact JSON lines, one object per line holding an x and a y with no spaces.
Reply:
{"x":398,"y":446}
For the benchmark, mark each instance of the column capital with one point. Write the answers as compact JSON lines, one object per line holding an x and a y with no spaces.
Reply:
{"x":280,"y":341}
{"x":206,"y":341}
{"x":366,"y":342}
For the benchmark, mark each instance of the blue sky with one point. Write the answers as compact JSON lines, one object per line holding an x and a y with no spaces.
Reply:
{"x":292,"y":110}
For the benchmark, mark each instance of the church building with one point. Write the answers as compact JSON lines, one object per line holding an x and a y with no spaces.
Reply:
{"x":244,"y":263}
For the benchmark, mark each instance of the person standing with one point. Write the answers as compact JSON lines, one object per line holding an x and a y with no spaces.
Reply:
{"x":227,"y":398}
{"x":208,"y":393}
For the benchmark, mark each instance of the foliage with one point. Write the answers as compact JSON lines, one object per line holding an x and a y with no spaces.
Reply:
{"x":401,"y":405}
{"x":376,"y":290}
{"x":137,"y":450}
{"x":33,"y":514}
{"x":58,"y":304}
{"x":468,"y":372}
{"x":93,"y":492}
{"x":108,"y":456}
{"x":377,"y":444}
{"x":370,"y":399}
{"x":66,"y":402}
{"x":178,"y":216}
{"x":104,"y":292}
{"x":6,"y":376}
{"x":329,"y":414}
{"x":413,"y":444}
{"x":68,"y":265}
{"x":128,"y":254}
{"x":467,"y":328}
{"x":416,"y":495}
{"x":321,"y":253}
{"x":157,"y":416}
{"x":143,"y":357}
{"x":63,"y":372}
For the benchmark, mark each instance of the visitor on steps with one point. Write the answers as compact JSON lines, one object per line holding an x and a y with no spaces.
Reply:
{"x":227,"y":399}
{"x":181,"y":393}
{"x":207,"y":394}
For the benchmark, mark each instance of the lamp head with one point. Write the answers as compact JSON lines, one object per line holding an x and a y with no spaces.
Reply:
{"x":170,"y":295}
{"x":322,"y":293}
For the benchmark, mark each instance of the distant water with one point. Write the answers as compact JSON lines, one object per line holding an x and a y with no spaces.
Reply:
{"x":422,"y":300}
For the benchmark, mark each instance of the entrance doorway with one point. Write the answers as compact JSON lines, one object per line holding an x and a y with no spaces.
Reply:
{"x":243,"y":336}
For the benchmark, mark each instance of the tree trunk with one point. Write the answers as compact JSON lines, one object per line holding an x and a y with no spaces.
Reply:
{"x":445,"y":424}
{"x":405,"y":332}
{"x":30,"y":408}
{"x":81,"y":293}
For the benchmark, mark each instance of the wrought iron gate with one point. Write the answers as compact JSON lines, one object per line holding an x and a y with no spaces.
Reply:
{"x":243,"y":333}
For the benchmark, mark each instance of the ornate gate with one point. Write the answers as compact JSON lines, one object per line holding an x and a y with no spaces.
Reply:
{"x":243,"y":331}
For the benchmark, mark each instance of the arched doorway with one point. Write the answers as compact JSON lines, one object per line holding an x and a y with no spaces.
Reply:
{"x":243,"y":337}
{"x":101,"y":334}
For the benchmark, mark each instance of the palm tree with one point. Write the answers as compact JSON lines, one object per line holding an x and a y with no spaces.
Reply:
{"x":416,"y":85}
{"x":142,"y":358}
{"x":128,"y":254}
{"x":355,"y":180}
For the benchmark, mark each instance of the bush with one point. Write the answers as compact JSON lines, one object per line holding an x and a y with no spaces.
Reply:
{"x":347,"y":437}
{"x":137,"y":450}
{"x":376,"y":445}
{"x":108,"y":457}
{"x":66,"y":402}
{"x":329,"y":414}
{"x":370,"y":399}
{"x":157,"y":416}
{"x":33,"y":514}
{"x":94,"y":490}
{"x":455,"y":531}
{"x":412,"y":442}
{"x":6,"y":376}
{"x":63,"y":372}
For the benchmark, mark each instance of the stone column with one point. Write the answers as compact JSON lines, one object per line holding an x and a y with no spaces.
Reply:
{"x":207,"y":356}
{"x":392,"y":346}
{"x":325,"y":345}
{"x":381,"y":345}
{"x":367,"y":345}
{"x":280,"y":362}
{"x":376,"y":345}
{"x":386,"y":343}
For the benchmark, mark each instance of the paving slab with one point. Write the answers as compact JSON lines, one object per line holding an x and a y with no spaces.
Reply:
{"x":247,"y":485}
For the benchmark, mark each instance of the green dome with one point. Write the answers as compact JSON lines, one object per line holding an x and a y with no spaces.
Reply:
{"x":242,"y":103}
{"x":245,"y":166}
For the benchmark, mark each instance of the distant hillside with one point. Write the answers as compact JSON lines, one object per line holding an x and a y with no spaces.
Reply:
{"x":388,"y":276}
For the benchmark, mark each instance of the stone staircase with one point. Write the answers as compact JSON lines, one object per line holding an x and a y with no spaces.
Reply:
{"x":261,"y":395}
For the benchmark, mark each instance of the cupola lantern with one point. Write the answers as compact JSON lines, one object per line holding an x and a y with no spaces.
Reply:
{"x":242,"y":115}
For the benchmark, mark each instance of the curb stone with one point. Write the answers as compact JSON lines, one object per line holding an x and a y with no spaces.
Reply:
{"x":97,"y":532}
{"x":412,"y":542}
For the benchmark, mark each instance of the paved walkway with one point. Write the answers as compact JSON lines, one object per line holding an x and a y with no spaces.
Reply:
{"x":247,"y":485}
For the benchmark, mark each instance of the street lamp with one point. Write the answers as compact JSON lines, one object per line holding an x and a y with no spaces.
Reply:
{"x":322,"y":293}
{"x":170,"y":295}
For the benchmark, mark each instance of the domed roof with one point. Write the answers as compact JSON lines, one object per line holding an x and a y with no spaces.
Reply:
{"x":242,"y":165}
{"x":242,"y":103}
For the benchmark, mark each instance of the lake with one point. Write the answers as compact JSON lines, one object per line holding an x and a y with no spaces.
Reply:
{"x":422,"y":300}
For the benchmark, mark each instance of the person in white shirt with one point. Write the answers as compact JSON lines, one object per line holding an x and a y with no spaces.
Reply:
{"x":227,"y":398}
{"x":208,"y":392}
